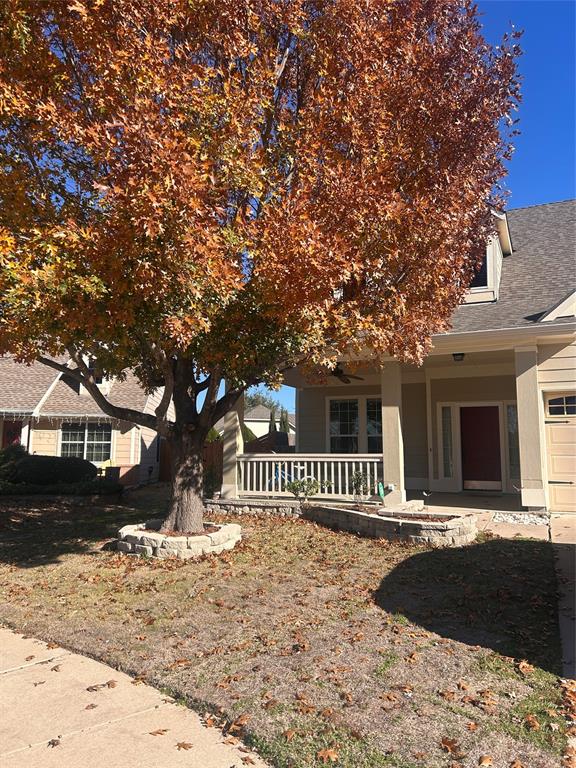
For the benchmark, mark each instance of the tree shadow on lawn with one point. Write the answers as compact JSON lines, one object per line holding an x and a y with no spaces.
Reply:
{"x":35,"y":532}
{"x":501,"y":594}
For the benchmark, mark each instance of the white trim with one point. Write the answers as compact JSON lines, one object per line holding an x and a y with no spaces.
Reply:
{"x":46,"y":395}
{"x":556,"y":312}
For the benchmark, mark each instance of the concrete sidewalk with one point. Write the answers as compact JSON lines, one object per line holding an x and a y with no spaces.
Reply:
{"x":563,"y":536}
{"x":62,"y":710}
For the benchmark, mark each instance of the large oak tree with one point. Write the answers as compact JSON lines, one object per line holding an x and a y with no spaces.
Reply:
{"x":210,"y":190}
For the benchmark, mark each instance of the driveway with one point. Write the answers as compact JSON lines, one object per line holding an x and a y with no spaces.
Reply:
{"x":62,"y":710}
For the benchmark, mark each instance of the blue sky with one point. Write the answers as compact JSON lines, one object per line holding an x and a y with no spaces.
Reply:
{"x":544,"y":163}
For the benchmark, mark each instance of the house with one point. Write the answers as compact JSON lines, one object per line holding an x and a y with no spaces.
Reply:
{"x":491,"y":410}
{"x":257,"y":419}
{"x":49,"y":413}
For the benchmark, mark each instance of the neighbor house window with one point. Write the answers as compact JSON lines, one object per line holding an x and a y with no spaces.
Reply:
{"x":92,"y":441}
{"x":562,"y":406}
{"x":344,"y":426}
{"x":374,"y":425}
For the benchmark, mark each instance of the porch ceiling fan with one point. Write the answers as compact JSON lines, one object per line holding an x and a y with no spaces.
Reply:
{"x":345,"y":378}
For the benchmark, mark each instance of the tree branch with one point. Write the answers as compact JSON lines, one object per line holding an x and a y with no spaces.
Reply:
{"x":84,"y":377}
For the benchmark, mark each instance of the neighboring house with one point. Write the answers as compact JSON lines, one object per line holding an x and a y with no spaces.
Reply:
{"x":257,"y":419}
{"x":49,"y":413}
{"x":493,"y":407}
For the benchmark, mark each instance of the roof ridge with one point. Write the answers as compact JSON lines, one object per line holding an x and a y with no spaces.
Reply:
{"x":541,"y":205}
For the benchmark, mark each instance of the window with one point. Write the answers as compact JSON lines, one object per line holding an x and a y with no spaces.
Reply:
{"x":480,"y":279}
{"x":374,"y":425}
{"x":344,"y":426}
{"x":562,"y":406}
{"x":513,"y":442}
{"x":447,"y":451}
{"x":92,"y":441}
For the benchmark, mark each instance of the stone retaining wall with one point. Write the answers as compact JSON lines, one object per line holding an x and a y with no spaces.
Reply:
{"x":452,"y":531}
{"x":143,"y":539}
{"x":399,"y":525}
{"x":257,"y":507}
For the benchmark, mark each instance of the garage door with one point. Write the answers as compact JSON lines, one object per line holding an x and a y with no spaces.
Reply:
{"x":561,"y":446}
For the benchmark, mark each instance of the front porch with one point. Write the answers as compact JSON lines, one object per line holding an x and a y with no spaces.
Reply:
{"x":479,"y":422}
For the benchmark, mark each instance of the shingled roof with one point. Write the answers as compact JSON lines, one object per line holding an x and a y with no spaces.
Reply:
{"x":25,"y":389}
{"x":536,"y":277}
{"x":23,"y":386}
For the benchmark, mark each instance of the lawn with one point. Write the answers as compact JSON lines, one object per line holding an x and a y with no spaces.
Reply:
{"x":319,"y":647}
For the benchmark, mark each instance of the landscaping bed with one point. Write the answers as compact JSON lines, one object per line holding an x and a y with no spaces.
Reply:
{"x":320,"y":646}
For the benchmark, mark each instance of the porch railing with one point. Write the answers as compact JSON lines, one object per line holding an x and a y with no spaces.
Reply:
{"x":267,"y":474}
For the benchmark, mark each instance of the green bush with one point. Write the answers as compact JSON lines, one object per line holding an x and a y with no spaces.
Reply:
{"x":48,"y":470}
{"x":98,"y":487}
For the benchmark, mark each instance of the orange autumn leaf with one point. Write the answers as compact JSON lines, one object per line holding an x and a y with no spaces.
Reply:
{"x":327,"y":755}
{"x":485,"y":760}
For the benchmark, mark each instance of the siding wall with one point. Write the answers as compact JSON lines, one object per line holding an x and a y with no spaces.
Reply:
{"x":414,"y":431}
{"x":123,"y":440}
{"x":44,"y":437}
{"x":557,"y":366}
{"x":148,"y":439}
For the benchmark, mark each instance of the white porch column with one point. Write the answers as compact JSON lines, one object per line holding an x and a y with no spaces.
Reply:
{"x":232,"y":445}
{"x":530,"y":429}
{"x":392,"y":442}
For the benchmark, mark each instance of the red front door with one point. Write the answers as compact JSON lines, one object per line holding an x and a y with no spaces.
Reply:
{"x":480,"y":439}
{"x":11,"y":433}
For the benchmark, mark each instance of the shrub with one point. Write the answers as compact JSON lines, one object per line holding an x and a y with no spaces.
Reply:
{"x":12,"y":453}
{"x":306,"y":488}
{"x":98,"y":487}
{"x":49,"y":470}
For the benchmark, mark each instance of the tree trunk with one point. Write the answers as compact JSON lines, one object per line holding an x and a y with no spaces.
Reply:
{"x":186,"y":512}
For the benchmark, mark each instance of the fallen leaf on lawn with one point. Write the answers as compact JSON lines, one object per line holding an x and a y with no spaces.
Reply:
{"x":448,"y":695}
{"x":472,"y":726}
{"x":247,"y":760}
{"x":111,"y":684}
{"x":525,"y":668}
{"x":420,"y":755}
{"x":532,"y":722}
{"x":327,"y":755}
{"x":516,"y":764}
{"x":485,"y":760}
{"x":413,"y":658}
{"x":184,"y":745}
{"x":289,"y":734}
{"x":51,"y":645}
{"x":158,"y":732}
{"x":449,"y":745}
{"x":209,"y":721}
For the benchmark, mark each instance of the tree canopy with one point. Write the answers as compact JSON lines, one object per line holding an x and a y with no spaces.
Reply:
{"x":209,"y":189}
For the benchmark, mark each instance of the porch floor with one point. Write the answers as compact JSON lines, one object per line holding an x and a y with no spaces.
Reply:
{"x":451,"y":502}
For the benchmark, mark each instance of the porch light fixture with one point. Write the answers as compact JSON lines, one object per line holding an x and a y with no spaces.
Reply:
{"x":458,"y":357}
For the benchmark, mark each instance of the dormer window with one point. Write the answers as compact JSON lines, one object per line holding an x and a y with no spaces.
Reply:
{"x":481,"y":277}
{"x":485,"y":285}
